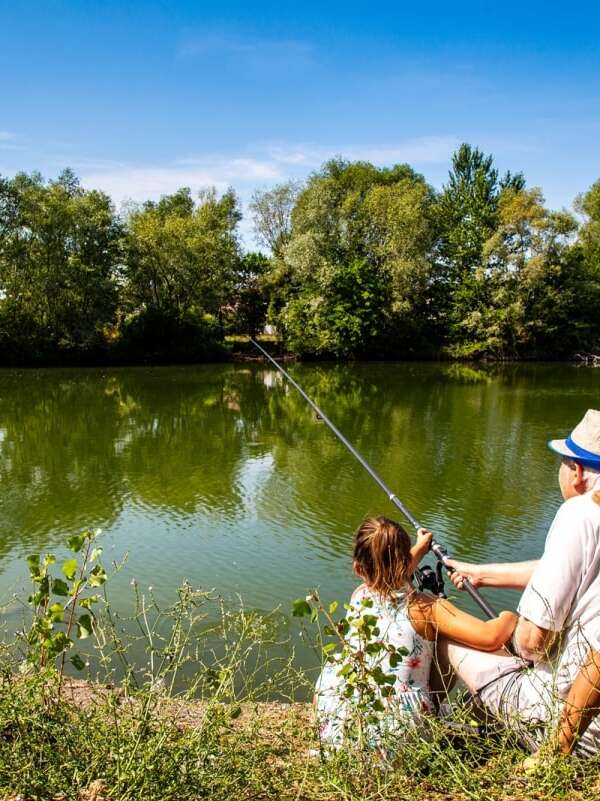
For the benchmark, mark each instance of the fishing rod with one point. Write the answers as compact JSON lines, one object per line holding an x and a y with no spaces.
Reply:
{"x":438,"y":549}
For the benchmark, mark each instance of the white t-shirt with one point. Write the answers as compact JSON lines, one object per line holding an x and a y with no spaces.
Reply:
{"x":563,"y":594}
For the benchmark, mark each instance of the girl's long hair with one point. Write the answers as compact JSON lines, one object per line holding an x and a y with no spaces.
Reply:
{"x":382,"y":552}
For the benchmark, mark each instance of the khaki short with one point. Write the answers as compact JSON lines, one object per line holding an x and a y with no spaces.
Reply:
{"x":526,"y":701}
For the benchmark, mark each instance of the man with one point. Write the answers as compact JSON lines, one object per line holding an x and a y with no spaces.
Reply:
{"x":557,"y":638}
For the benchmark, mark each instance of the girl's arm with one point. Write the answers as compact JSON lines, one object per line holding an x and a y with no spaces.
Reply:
{"x":420,"y":548}
{"x":438,"y":617}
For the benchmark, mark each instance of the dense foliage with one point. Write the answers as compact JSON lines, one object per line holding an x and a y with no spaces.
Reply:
{"x":365,"y":261}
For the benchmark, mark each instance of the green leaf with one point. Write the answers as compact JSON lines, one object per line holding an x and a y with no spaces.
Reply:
{"x":300,"y":608}
{"x":77,"y":662}
{"x":329,"y":648}
{"x":86,"y":603}
{"x":59,"y":587}
{"x":33,"y":562}
{"x":58,"y":643}
{"x":75,"y":543}
{"x":97,"y":576}
{"x":96,"y":554}
{"x":332,"y":607}
{"x":70,"y":568}
{"x":57,"y":612}
{"x":84,"y":627}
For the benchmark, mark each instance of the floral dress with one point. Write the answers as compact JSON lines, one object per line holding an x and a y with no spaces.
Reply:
{"x":410,"y":698}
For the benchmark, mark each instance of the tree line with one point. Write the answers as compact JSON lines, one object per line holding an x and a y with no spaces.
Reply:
{"x":362,"y":262}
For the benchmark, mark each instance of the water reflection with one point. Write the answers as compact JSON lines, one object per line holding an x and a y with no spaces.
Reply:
{"x":223,"y":475}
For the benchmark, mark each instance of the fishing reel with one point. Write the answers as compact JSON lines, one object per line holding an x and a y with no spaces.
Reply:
{"x":430,"y":580}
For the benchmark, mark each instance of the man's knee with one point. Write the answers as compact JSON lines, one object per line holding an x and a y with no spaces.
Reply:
{"x":475,"y":668}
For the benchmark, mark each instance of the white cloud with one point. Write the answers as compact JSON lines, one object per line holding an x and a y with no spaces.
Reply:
{"x":422,"y":150}
{"x":270,"y":163}
{"x":141,"y":182}
{"x":266,"y":164}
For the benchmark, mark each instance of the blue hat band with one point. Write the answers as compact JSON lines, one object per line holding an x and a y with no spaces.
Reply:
{"x":590,"y":458}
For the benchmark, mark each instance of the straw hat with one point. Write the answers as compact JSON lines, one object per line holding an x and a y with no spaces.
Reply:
{"x":583,"y":443}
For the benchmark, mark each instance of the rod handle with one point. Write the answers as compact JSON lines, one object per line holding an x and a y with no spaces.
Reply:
{"x":442,"y":554}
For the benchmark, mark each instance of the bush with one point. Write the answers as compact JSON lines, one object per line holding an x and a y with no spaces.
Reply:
{"x":156,"y":336}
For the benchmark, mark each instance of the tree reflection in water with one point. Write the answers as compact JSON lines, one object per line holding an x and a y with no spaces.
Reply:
{"x":222,"y":474}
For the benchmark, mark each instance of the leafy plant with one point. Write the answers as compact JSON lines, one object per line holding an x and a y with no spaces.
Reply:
{"x":62,"y":606}
{"x":360,"y":655}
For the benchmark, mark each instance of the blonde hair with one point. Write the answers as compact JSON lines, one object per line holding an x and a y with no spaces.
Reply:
{"x":382,"y":554}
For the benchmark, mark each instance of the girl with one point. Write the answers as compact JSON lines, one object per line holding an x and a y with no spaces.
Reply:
{"x":407,"y":625}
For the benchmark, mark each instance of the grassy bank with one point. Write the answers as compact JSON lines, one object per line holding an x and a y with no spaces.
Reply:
{"x":102,"y":744}
{"x":197,"y":720}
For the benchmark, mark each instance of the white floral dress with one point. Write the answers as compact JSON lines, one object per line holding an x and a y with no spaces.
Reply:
{"x":410,"y":699}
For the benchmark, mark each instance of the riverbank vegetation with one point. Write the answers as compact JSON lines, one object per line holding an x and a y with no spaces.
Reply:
{"x":362,"y":262}
{"x":181,"y":707}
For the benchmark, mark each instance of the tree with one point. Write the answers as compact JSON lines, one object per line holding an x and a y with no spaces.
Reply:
{"x":524,"y":295}
{"x":467,"y":208}
{"x":466,"y":216}
{"x":271,"y":213}
{"x":251,"y":299}
{"x":182,"y":257}
{"x":354,"y":221}
{"x":588,"y":205}
{"x":59,"y":254}
{"x":343,"y":313}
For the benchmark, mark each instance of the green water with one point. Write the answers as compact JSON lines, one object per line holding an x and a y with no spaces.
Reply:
{"x":221,"y":475}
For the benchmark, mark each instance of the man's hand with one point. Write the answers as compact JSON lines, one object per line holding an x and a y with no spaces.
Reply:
{"x":462,"y":571}
{"x":514,"y":575}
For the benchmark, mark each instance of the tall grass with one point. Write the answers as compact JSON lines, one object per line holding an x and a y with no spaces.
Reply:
{"x":194,"y":720}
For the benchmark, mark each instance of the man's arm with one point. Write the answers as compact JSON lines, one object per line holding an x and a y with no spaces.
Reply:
{"x":581,"y":705}
{"x":511,"y":575}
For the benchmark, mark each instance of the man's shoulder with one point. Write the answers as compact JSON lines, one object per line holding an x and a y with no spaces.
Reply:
{"x":577,"y":518}
{"x":582,"y":507}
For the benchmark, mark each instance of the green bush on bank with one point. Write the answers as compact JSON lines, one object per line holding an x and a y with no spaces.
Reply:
{"x":160,"y":337}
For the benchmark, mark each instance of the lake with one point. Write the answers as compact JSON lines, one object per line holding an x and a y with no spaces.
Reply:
{"x":222,"y":475}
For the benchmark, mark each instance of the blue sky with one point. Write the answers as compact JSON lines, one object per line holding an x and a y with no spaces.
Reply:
{"x":142,"y":97}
